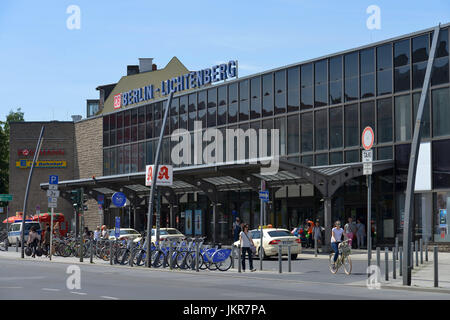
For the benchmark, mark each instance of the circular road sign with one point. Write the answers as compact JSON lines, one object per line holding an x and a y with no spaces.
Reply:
{"x":367,"y":138}
{"x":119,"y":199}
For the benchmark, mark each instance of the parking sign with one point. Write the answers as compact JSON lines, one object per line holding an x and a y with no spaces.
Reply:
{"x":53,"y":179}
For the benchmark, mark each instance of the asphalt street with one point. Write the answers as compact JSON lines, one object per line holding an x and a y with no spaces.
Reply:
{"x":311,"y":279}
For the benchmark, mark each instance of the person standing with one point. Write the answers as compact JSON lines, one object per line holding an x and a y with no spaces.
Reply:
{"x":317,"y":234}
{"x":105,"y":233}
{"x":246,"y":244}
{"x":97,"y":234}
{"x":360,"y":233}
{"x":46,"y":242}
{"x":33,"y":240}
{"x":236,"y":229}
{"x":349,"y":230}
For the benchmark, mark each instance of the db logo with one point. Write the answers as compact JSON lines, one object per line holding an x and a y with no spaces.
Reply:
{"x":164,"y":176}
{"x":117,"y":101}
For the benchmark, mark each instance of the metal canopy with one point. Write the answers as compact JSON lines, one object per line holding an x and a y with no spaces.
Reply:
{"x":225,"y":177}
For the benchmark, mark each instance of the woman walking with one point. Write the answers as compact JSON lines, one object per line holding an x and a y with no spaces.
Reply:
{"x":246,"y":244}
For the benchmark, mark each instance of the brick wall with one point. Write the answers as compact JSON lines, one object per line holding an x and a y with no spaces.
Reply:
{"x":89,"y":161}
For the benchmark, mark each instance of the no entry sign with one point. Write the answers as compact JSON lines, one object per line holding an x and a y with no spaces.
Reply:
{"x":367,"y":138}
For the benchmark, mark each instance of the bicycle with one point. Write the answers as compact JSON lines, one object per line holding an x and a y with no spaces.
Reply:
{"x":342,"y":260}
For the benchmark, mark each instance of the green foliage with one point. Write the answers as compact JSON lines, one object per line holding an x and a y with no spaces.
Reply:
{"x":13,"y":116}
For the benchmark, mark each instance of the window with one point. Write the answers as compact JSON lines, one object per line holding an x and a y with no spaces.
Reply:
{"x":202,"y":117}
{"x":134,"y":163}
{"x":336,"y":128}
{"x":439,"y":72}
{"x":306,"y":132}
{"x":367,"y":115}
{"x":212,"y":117}
{"x":201,"y":100}
{"x":183,"y":104}
{"x":105,"y":123}
{"x":320,"y":83}
{"x":351,"y":125}
{"x":113,"y":167}
{"x":280,"y":92}
{"x":212,"y":98}
{"x":440,"y":100}
{"x":322,"y":159}
{"x":367,"y":69}
{"x":149,"y":113}
{"x":106,"y":162}
{"x":321,"y":128}
{"x":352,"y":156}
{"x":267,"y":108}
{"x":441,"y":164}
{"x":306,"y":98}
{"x":183,"y":121}
{"x":425,"y":133}
{"x":402,"y":118}
{"x":420,"y":48}
{"x":401,"y":53}
{"x":255,"y":102}
{"x":243,"y":100}
{"x":335,"y":78}
{"x":336,"y":158}
{"x":384,"y":69}
{"x":133,"y":116}
{"x":222,"y":108}
{"x":308,"y":161}
{"x":293,"y":134}
{"x":385,"y":153}
{"x":293,"y":87}
{"x":418,"y":74}
{"x":384,"y":120}
{"x":192,"y":102}
{"x":233,"y":100}
{"x":149,"y":157}
{"x":351,"y":76}
{"x":401,"y":78}
{"x":157,"y":112}
{"x":119,"y":120}
{"x":442,"y":45}
{"x":280,"y":124}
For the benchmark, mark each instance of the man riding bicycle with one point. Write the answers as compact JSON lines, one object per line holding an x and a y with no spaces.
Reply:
{"x":336,"y":235}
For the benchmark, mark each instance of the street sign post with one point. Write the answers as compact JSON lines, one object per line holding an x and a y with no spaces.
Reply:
{"x":367,"y":139}
{"x":117,"y":228}
{"x":52,"y":195}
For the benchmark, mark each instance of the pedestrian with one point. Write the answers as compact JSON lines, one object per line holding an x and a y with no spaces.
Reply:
{"x":236,"y":229}
{"x":97,"y":233}
{"x":360,"y":233}
{"x":317,"y":234}
{"x":336,"y":236}
{"x":33,"y":240}
{"x":46,"y":242}
{"x":247,"y":245}
{"x":86,"y":233}
{"x":309,"y":225}
{"x":56,"y":230}
{"x":105,"y":233}
{"x":349,"y":231}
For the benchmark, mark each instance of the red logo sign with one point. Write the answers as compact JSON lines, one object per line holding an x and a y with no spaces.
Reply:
{"x":43,"y":152}
{"x":117,"y":101}
{"x":164,"y":178}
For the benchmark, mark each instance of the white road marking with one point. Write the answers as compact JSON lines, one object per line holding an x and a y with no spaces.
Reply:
{"x":11,"y":287}
{"x":107,"y":297}
{"x":80,"y":293}
{"x":50,"y":289}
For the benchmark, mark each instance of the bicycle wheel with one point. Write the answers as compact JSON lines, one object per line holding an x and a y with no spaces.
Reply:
{"x":138,"y":257}
{"x":224,"y":265}
{"x":104,"y":253}
{"x":179,"y":259}
{"x":158,"y":259}
{"x":347,"y":265}
{"x":123,"y":255}
{"x":332,"y":265}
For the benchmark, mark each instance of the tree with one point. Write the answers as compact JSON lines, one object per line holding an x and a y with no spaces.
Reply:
{"x":13,"y":116}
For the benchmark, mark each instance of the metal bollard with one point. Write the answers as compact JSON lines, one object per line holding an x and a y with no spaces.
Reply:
{"x":239,"y":259}
{"x":386,"y":264}
{"x":416,"y":248}
{"x":421,"y":250}
{"x":289,"y":259}
{"x":396,"y":247}
{"x":92,"y":252}
{"x":394,"y":267}
{"x":232,"y":256}
{"x":401,"y":262}
{"x":316,"y":249}
{"x":426,"y":251}
{"x":197,"y":256}
{"x":17,"y":244}
{"x":280,"y":267}
{"x":436,"y":279}
{"x":378,"y":257}
{"x":411,"y":258}
{"x":110,"y":252}
{"x":132,"y":255}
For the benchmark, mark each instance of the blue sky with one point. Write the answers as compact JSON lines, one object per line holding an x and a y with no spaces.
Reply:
{"x":49,"y":71}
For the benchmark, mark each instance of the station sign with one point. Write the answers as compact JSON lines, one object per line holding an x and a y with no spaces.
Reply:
{"x":164,"y":176}
{"x":191,"y":80}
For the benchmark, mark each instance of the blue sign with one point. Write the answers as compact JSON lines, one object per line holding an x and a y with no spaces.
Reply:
{"x":101,"y":199}
{"x":117,"y":228}
{"x":442,"y":218}
{"x":53,"y":179}
{"x":119,"y":199}
{"x":264,"y":196}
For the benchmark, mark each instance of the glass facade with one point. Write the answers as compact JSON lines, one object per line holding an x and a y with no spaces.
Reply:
{"x":320,"y":107}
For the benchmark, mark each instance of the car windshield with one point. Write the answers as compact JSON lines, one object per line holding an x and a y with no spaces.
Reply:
{"x":173,"y":231}
{"x":279,"y":233}
{"x":127,"y":231}
{"x":29,"y":225}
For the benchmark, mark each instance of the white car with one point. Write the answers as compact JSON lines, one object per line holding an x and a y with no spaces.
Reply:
{"x":15,"y":230}
{"x":125,"y":234}
{"x":168,"y":233}
{"x":272,"y":238}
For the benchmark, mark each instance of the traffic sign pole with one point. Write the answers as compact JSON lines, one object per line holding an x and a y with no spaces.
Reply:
{"x":368,"y":138}
{"x":52,"y":192}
